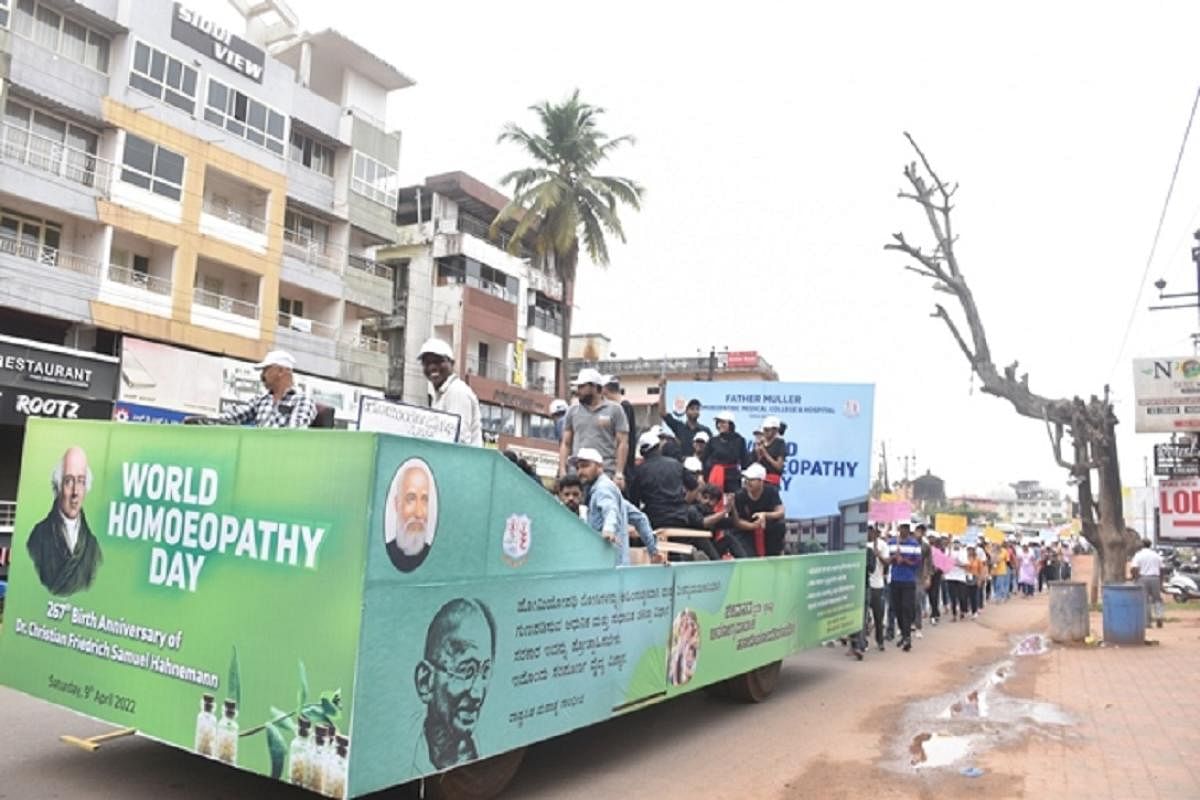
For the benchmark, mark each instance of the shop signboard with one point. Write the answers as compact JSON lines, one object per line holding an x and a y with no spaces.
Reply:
{"x":161,"y":376}
{"x":50,"y":370}
{"x":1179,"y":511}
{"x":1166,"y":394}
{"x":427,"y":600}
{"x":828,"y":434}
{"x":18,"y":405}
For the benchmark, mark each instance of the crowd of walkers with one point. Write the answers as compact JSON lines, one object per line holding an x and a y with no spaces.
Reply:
{"x":916,"y":574}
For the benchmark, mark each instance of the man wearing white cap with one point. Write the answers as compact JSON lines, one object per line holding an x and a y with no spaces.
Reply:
{"x":450,"y":393}
{"x":610,"y":514}
{"x":771,"y":449}
{"x":760,"y":511}
{"x":596,"y":423}
{"x":558,"y":412}
{"x":282,"y":405}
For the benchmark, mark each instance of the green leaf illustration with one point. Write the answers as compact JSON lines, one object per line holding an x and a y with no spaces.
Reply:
{"x":283,"y":719}
{"x":277,"y":747}
{"x":235,"y":679}
{"x":331,"y":703}
{"x":302,"y":697}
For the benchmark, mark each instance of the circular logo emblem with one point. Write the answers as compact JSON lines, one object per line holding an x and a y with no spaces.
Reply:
{"x":1190,"y":368}
{"x":518,"y":538}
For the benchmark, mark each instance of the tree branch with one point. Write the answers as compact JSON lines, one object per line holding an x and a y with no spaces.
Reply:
{"x":962,"y":343}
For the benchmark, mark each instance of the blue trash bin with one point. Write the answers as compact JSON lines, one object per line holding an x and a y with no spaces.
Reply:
{"x":1124,"y":613}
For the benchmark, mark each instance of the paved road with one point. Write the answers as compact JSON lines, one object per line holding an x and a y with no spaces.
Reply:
{"x":826,"y":708}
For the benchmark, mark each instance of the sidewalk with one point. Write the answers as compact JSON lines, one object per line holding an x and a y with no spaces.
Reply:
{"x":1137,"y":710}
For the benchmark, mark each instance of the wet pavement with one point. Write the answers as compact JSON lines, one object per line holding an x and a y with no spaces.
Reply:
{"x":953,"y":729}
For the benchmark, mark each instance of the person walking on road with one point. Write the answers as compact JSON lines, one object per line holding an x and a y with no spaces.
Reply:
{"x":877,"y":561}
{"x":905,"y":555}
{"x":1027,"y":570}
{"x":956,"y":581}
{"x":1146,"y":567}
{"x":977,"y":574}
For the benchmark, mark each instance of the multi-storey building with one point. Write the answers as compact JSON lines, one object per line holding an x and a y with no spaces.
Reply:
{"x":165,"y":178}
{"x":501,"y":312}
{"x":642,"y":378}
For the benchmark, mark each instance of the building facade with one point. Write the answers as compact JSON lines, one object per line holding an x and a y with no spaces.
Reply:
{"x":501,"y":312}
{"x":642,"y":378}
{"x":167,"y":179}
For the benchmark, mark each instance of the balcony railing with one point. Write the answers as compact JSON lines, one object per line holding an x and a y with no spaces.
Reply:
{"x":361,"y":341}
{"x":369,"y":266}
{"x":49,"y":256}
{"x":313,"y":251}
{"x":496,"y":370}
{"x":306,"y":325}
{"x":8,"y":515}
{"x":228,"y":305}
{"x":139,"y":280}
{"x":54,"y":158}
{"x":236,"y":216}
{"x":540,"y":318}
{"x":481,"y":230}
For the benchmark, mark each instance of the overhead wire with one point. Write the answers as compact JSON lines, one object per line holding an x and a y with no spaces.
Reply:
{"x":1157,"y":233}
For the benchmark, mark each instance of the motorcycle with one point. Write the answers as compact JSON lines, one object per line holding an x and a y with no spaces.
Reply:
{"x":1184,"y":584}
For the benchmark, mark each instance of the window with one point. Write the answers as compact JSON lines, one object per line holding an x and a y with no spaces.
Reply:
{"x":152,"y":167}
{"x":4,"y":8}
{"x":311,"y":153}
{"x":63,"y":35}
{"x":305,"y":231}
{"x":163,"y":77}
{"x":374,"y":180}
{"x":497,"y":419}
{"x":293,"y":308}
{"x":540,"y":427}
{"x":40,"y":138}
{"x":29,"y":237}
{"x":244,"y":117}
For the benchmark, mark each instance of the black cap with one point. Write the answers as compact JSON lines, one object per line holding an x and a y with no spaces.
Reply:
{"x":695,"y":401}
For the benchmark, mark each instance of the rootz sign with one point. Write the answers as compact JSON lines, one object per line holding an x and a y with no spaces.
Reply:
{"x":203,"y":35}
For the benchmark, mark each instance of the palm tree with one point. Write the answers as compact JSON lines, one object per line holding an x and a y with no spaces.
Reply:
{"x":560,"y":199}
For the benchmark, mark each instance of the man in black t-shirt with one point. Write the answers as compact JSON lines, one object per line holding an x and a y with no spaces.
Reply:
{"x":759,"y":506}
{"x":771,"y":450}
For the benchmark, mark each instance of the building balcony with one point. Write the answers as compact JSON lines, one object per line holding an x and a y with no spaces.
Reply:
{"x":239,"y":226}
{"x":50,"y":256}
{"x":368,"y":283}
{"x":67,"y":83}
{"x":223,"y":313}
{"x":137,"y":290}
{"x":308,"y":327}
{"x":544,"y":282}
{"x":495,"y":370}
{"x":55,"y":159}
{"x":369,"y":266}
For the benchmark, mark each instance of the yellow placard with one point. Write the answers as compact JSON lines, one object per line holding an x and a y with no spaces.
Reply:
{"x":953,"y":524}
{"x":994,"y":535}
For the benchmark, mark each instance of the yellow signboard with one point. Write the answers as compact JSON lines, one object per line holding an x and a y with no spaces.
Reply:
{"x":994,"y":535}
{"x":953,"y":524}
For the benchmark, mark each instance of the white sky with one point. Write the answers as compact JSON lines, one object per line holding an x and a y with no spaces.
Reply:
{"x":769,"y":142}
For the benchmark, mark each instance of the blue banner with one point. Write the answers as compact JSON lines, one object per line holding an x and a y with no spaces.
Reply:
{"x":828,"y":434}
{"x":132,"y":412}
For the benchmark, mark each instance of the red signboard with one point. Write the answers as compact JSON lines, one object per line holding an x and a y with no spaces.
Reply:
{"x":742,"y":359}
{"x":1179,"y":507}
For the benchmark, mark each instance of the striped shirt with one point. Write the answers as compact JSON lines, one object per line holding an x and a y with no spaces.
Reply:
{"x":906,"y":559}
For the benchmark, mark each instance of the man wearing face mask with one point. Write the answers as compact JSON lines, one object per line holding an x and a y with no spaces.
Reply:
{"x":450,"y":393}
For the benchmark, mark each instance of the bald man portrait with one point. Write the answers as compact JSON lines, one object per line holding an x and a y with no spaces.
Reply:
{"x":411,"y":515}
{"x":62,"y":547}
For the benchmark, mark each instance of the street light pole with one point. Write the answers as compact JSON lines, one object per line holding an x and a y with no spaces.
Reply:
{"x":1161,"y":284}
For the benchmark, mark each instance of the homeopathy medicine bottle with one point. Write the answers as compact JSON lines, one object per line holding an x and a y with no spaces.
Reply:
{"x":314,"y":767}
{"x":336,"y":768}
{"x":206,"y":728}
{"x":227,"y":734}
{"x":299,"y":754}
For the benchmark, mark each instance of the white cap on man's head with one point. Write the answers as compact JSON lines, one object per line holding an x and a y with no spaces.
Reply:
{"x":692,"y":464}
{"x":665,"y":432}
{"x":725,"y":416}
{"x":436,"y":347}
{"x":277,"y":358}
{"x":647,"y":440}
{"x":700,"y":436}
{"x":754,"y":472}
{"x":558,"y":406}
{"x":589,"y":454}
{"x":612,"y":380}
{"x":589,"y":375}
{"x":770,"y":422}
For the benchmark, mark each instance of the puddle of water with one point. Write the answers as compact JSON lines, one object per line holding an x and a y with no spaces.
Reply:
{"x":938,"y":749}
{"x":947,"y":728}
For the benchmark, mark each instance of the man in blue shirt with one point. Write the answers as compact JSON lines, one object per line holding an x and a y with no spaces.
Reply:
{"x":609,"y":513}
{"x":905,"y":560}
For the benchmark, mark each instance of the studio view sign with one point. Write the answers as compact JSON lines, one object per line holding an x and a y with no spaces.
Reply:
{"x":215,"y":41}
{"x":16,"y":406}
{"x":25,"y":364}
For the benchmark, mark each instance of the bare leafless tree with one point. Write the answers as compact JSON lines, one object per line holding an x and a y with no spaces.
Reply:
{"x":1091,"y":424}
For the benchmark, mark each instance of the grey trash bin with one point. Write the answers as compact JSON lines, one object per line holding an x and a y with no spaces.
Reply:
{"x":1068,"y":611}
